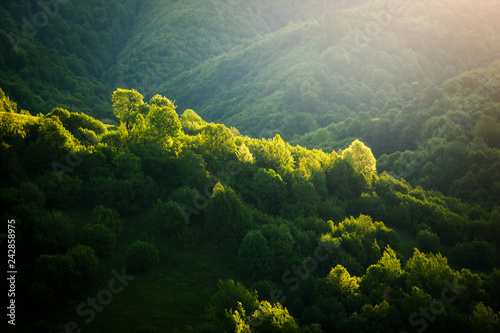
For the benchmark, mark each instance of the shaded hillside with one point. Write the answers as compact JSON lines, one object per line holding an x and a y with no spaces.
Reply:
{"x":56,"y":55}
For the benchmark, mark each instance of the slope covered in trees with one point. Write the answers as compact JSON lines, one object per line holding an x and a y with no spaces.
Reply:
{"x":320,"y":241}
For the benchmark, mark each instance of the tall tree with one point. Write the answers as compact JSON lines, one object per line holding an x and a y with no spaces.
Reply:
{"x":128,"y":104}
{"x":360,"y":157}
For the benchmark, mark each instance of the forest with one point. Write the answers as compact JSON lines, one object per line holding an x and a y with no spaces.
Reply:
{"x":251,"y":166}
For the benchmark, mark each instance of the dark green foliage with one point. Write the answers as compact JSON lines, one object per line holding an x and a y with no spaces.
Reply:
{"x":168,"y":217}
{"x":428,"y":241}
{"x":142,"y":256}
{"x":274,"y":69}
{"x":476,"y":254}
{"x":100,"y":238}
{"x":255,"y":258}
{"x":85,"y":266}
{"x":54,"y":233}
{"x":269,"y":190}
{"x":227,"y":297}
{"x":226,"y":219}
{"x":55,"y":274}
{"x":107,"y":217}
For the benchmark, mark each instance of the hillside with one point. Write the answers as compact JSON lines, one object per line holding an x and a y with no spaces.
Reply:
{"x":316,"y":166}
{"x":216,"y":231}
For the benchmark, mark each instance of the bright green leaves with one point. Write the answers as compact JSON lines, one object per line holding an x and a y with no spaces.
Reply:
{"x":360,"y":157}
{"x":157,"y":124}
{"x":341,"y":282}
{"x":162,"y":125}
{"x":128,"y":105}
{"x":218,"y":141}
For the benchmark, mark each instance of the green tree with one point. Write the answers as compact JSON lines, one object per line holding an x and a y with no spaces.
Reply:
{"x":168,"y":217}
{"x":244,"y":155}
{"x":54,"y":233}
{"x":267,"y":318}
{"x":218,"y":140}
{"x":488,"y":129}
{"x":255,"y":258}
{"x":55,"y":272}
{"x":162,"y":125}
{"x":100,"y":238}
{"x":142,"y":256}
{"x":341,"y":282}
{"x":128,"y":104}
{"x":53,"y":132}
{"x":191,"y":122}
{"x":85,"y":266}
{"x":107,"y":217}
{"x":226,"y":219}
{"x":484,"y":319}
{"x":269,"y":190}
{"x":227,"y":297}
{"x":428,"y":241}
{"x":428,"y":272}
{"x":360,"y":157}
{"x":277,"y":155}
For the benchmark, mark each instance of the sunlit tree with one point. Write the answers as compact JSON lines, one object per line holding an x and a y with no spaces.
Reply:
{"x":361,"y":157}
{"x":128,"y":104}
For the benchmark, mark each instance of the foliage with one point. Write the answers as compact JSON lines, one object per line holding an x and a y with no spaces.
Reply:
{"x":107,"y":217}
{"x":427,"y":241}
{"x":226,"y":219}
{"x":255,"y":258}
{"x":142,"y":256}
{"x":100,"y":238}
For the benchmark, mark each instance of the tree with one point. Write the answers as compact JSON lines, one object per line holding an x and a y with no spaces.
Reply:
{"x":53,"y":133}
{"x":54,"y":233}
{"x":85,"y":266}
{"x":343,"y":181}
{"x":162,"y":124}
{"x":218,"y":140}
{"x":226,"y":217}
{"x":107,"y":217}
{"x":244,"y":155}
{"x":255,"y":258}
{"x":162,"y":101}
{"x":55,"y":272}
{"x":128,"y":104}
{"x":360,"y":157}
{"x":428,"y":272}
{"x":142,"y":256}
{"x":227,"y":298}
{"x":341,"y":282}
{"x":277,"y":155}
{"x":484,"y":319}
{"x":168,"y":216}
{"x":192,"y":123}
{"x":100,"y":238}
{"x":428,"y":241}
{"x":269,"y":190}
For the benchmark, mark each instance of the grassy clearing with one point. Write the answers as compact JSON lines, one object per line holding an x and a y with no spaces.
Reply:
{"x":175,"y":294}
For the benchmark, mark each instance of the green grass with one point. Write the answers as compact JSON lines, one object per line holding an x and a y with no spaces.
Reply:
{"x":175,"y":294}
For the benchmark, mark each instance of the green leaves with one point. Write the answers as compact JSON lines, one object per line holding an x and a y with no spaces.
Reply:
{"x":255,"y":258}
{"x":142,"y":256}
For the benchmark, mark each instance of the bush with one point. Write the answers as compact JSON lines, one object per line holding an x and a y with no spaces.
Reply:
{"x":168,"y":217}
{"x":100,"y":238}
{"x":85,"y":265}
{"x":107,"y":217}
{"x":428,"y":241}
{"x":142,"y":256}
